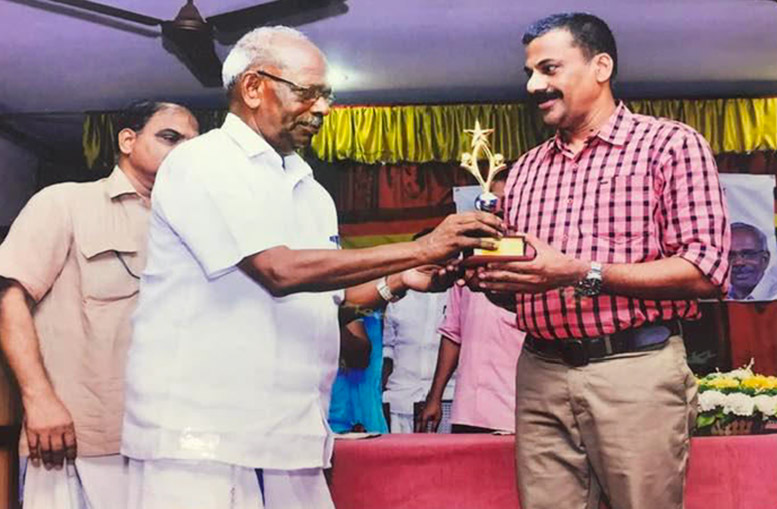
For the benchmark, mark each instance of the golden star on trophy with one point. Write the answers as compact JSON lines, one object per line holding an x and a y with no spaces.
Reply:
{"x":511,"y":247}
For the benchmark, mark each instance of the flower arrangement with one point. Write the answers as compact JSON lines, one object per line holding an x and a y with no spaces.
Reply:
{"x":737,"y":402}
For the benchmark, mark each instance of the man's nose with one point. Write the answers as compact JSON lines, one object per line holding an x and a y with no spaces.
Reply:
{"x":321,"y":106}
{"x":536,"y":83}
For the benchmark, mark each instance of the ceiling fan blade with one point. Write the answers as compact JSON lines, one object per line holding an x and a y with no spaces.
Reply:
{"x":114,"y":12}
{"x":89,"y":16}
{"x":196,"y":50}
{"x":286,"y":12}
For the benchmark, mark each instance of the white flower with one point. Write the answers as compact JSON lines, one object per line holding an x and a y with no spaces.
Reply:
{"x":738,"y":404}
{"x":767,"y":405}
{"x":740,"y":374}
{"x":708,"y":400}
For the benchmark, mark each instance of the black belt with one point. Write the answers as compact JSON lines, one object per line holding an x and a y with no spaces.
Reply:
{"x":579,"y":352}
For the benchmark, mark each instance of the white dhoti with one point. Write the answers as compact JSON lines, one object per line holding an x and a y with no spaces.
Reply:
{"x":402,"y":423}
{"x":99,"y":482}
{"x":166,"y":484}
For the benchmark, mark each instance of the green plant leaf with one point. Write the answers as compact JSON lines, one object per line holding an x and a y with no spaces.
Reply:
{"x":704,"y":420}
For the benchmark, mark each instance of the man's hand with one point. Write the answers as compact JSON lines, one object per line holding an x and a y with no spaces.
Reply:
{"x":429,"y":420}
{"x":429,"y":278}
{"x":461,"y":231}
{"x":50,"y":431}
{"x":550,"y":269}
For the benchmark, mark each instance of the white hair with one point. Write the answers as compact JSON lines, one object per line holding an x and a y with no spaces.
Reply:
{"x":257,"y":48}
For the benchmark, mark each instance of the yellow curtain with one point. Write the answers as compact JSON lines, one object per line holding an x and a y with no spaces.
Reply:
{"x":422,"y":134}
{"x":729,"y":125}
{"x":435,"y":133}
{"x":99,"y":140}
{"x":419,"y":134}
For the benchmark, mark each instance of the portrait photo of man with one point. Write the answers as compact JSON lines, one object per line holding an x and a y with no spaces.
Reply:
{"x":750,"y":200}
{"x":749,"y":257}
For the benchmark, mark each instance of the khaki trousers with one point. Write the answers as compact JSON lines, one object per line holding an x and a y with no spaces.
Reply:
{"x":619,"y":427}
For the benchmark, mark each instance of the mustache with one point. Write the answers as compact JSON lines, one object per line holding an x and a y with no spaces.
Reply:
{"x":315,"y":121}
{"x":545,"y":95}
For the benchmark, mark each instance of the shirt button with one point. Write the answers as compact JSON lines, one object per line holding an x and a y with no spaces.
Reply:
{"x":565,"y":238}
{"x":570,"y":201}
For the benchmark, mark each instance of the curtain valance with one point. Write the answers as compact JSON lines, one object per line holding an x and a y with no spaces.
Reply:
{"x":425,"y":133}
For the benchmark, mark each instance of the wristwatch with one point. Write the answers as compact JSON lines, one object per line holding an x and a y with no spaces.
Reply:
{"x":591,"y":284}
{"x":385,"y":292}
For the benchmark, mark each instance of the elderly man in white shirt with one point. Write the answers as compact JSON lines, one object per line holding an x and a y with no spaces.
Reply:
{"x":236,"y":335}
{"x":410,"y":346}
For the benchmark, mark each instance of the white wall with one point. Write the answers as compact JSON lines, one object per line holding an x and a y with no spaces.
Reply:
{"x":18,"y":173}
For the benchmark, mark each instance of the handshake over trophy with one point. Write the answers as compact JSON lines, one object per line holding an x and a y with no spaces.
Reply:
{"x":511,"y":247}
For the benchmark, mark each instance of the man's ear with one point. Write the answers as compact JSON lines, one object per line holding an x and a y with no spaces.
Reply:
{"x":604,"y":67}
{"x":251,"y":89}
{"x":127,"y":138}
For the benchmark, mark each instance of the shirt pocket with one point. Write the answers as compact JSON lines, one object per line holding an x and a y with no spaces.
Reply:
{"x":618,"y":209}
{"x":110,"y":271}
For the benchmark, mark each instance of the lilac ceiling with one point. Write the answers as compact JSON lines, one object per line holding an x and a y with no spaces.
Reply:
{"x":395,"y":50}
{"x":408,"y":51}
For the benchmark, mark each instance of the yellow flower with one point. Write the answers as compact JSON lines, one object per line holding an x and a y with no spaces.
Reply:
{"x":722,"y":383}
{"x":760,"y":382}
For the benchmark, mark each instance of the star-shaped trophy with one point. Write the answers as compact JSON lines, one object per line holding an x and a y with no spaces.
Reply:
{"x":511,"y":247}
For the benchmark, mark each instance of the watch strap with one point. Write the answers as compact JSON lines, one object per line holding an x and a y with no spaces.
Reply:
{"x":384,"y":290}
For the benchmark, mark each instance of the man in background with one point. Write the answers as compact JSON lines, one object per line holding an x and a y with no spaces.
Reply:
{"x":480,"y":341}
{"x":356,"y":392}
{"x":69,"y":275}
{"x":410,"y":345}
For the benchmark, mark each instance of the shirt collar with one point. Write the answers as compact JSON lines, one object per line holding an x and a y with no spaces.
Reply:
{"x":253,"y":144}
{"x":618,"y":128}
{"x":615,"y":131}
{"x":296,"y":167}
{"x":118,"y":184}
{"x":246,"y":138}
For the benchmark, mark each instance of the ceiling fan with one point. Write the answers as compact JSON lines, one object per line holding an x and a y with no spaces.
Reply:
{"x":190,"y":37}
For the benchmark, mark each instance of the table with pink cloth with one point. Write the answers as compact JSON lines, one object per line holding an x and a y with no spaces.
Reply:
{"x":477,"y":472}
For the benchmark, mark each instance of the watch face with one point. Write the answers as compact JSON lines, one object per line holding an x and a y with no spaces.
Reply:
{"x":589,"y":287}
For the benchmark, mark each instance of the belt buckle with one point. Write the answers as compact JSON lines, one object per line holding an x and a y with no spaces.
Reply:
{"x":574,"y":353}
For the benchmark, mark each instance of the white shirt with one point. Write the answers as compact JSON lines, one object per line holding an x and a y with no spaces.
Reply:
{"x":218,"y":368}
{"x":411,"y":339}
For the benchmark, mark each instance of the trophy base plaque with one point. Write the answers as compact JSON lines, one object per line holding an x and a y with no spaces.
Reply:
{"x":512,"y":248}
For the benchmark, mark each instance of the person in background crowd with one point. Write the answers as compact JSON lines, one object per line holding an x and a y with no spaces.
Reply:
{"x":410,"y":345}
{"x":482,"y":342}
{"x":69,"y":272}
{"x":356,"y":392}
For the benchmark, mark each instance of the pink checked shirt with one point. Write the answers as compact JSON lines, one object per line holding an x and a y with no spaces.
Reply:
{"x":490,"y":345}
{"x":641,"y":189}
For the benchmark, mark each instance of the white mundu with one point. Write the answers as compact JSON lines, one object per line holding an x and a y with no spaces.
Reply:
{"x":98,"y":482}
{"x":220,"y":370}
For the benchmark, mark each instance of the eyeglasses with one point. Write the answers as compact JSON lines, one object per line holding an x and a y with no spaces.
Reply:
{"x":305,"y":94}
{"x":748,"y":255}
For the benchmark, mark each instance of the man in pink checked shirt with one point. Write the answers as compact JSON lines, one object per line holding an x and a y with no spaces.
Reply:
{"x":627,"y":218}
